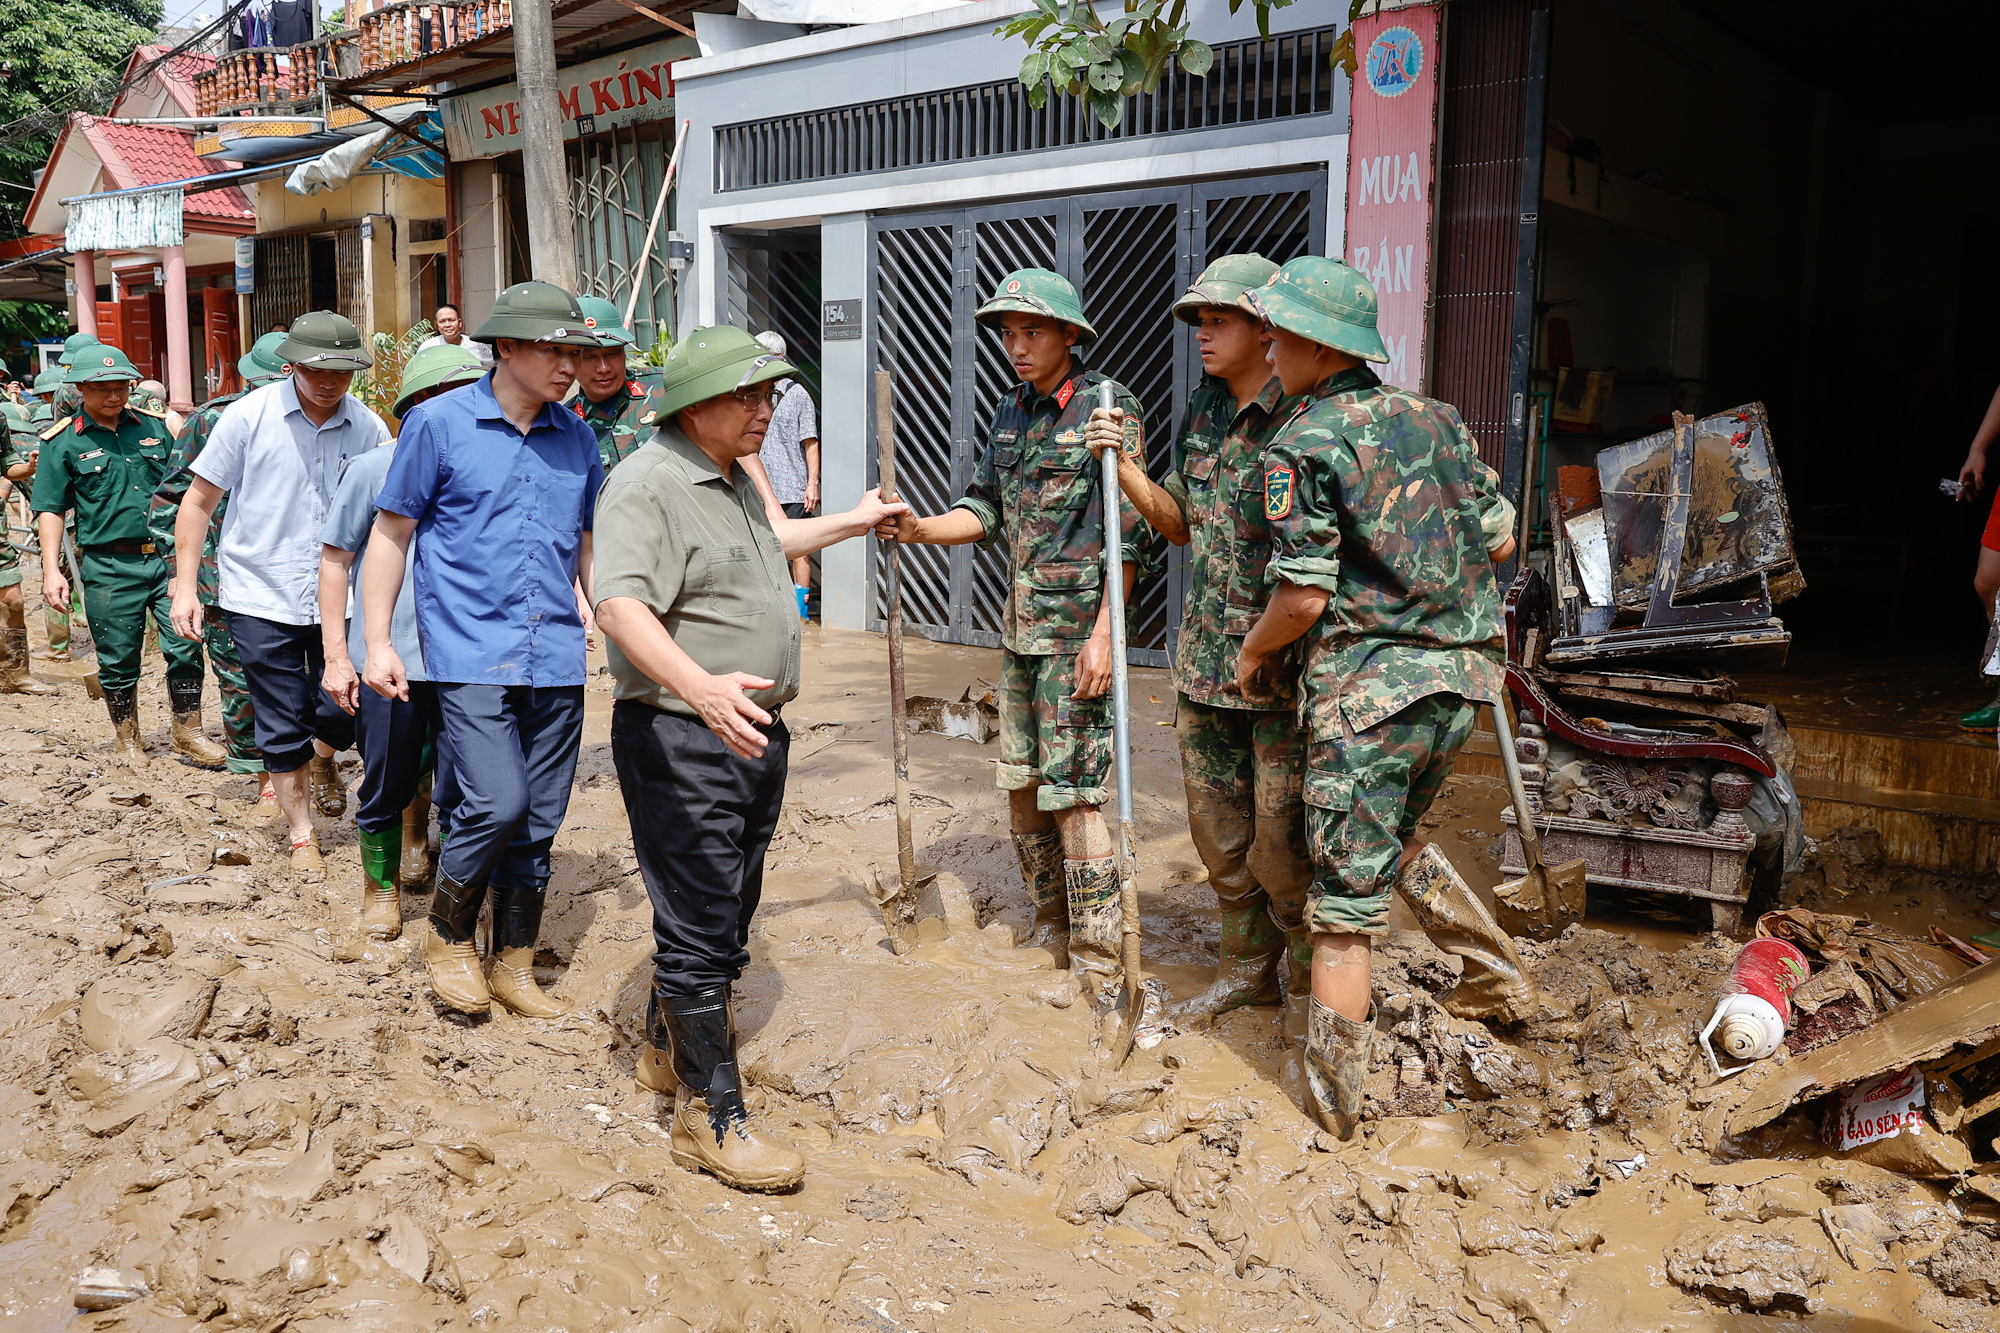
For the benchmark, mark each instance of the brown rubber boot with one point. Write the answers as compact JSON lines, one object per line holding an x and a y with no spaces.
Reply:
{"x":329,"y":794}
{"x":417,"y":866}
{"x":655,"y":1070}
{"x":1096,"y":928}
{"x":1246,"y":965}
{"x":1336,"y":1064}
{"x":711,"y":1129}
{"x":14,"y":677}
{"x":190,"y":742}
{"x":512,"y":982}
{"x":123,"y":706}
{"x":1494,"y":984}
{"x":1298,"y":985}
{"x":450,"y":956}
{"x":1041,"y":858}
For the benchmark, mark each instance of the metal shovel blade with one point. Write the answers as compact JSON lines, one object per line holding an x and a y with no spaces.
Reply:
{"x":914,"y":916}
{"x":1542,"y":903}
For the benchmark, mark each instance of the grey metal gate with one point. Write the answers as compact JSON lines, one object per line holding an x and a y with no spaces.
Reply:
{"x":615,"y":184}
{"x":1131,"y":253}
{"x":772,"y":281}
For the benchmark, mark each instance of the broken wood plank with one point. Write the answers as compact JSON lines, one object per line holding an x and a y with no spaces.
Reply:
{"x":1720,"y":689}
{"x":1748,"y":715}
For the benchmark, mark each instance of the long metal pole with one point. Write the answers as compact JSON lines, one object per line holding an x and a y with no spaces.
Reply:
{"x":653,"y":227}
{"x":1121,"y":740}
{"x":899,"y":711}
{"x":551,"y":229}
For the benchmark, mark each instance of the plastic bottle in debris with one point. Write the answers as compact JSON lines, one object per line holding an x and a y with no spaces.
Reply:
{"x":1755,"y":1007}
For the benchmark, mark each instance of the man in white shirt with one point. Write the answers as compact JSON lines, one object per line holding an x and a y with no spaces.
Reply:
{"x":450,"y":326}
{"x":278,"y":452}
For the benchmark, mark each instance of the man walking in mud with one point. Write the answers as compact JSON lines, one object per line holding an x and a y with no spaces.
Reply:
{"x":696,"y":600}
{"x":497,"y":484}
{"x":1037,"y":486}
{"x":1242,"y":756}
{"x":104,"y":463}
{"x":1388,"y":527}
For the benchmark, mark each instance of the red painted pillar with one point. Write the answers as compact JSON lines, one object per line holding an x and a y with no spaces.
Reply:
{"x":86,"y":292}
{"x":180,"y":373}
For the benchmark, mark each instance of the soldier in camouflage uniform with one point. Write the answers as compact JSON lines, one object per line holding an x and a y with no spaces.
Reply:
{"x":617,"y":402}
{"x":1037,"y":485}
{"x":260,"y":366}
{"x":1388,"y":526}
{"x":43,"y":419}
{"x":17,"y":462}
{"x":1243,"y":758}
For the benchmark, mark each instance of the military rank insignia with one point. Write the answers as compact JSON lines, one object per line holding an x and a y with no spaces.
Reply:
{"x":635,"y":389}
{"x":1278,"y":491}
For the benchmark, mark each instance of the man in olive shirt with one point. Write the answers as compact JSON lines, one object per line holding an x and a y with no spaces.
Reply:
{"x":696,"y":599}
{"x":105,"y":463}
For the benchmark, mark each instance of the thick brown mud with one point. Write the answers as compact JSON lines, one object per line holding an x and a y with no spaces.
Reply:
{"x":213,"y":1085}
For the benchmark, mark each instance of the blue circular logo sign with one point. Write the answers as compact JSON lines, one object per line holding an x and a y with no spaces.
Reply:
{"x":1395,"y":60}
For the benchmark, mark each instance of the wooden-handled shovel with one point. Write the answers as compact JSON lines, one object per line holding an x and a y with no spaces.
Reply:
{"x":1546,"y":900}
{"x":914,"y":908}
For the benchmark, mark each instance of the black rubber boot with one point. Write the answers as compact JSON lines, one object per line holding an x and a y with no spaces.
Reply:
{"x":190,"y":741}
{"x":517,"y":921}
{"x":711,"y":1127}
{"x":455,"y":908}
{"x":449,"y":954}
{"x":123,"y":708}
{"x":655,"y":1069}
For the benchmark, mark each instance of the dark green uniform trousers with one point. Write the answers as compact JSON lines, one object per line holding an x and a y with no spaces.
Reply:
{"x":122,"y":588}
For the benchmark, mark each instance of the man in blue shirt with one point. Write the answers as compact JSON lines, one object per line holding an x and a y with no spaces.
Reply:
{"x":498,"y":485}
{"x":393,"y":735}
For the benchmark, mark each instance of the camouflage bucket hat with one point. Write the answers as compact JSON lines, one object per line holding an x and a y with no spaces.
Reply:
{"x":436,"y":368}
{"x":262,"y":361}
{"x":1324,"y":300}
{"x":538,"y":312}
{"x":603,"y":319}
{"x":75,"y":343}
{"x":1036,"y":291}
{"x":1223,"y":283}
{"x":100,"y":365}
{"x":708,"y":362}
{"x":324,"y":341}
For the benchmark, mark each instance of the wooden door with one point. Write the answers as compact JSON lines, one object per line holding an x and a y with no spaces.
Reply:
{"x":136,"y":322}
{"x":111,"y":325}
{"x":218,"y":327}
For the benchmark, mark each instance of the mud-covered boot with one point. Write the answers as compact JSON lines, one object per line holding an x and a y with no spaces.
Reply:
{"x":1041,"y":860}
{"x":14,"y":677}
{"x":1298,"y":985}
{"x":381,"y":904}
{"x":57,"y":624}
{"x":1336,"y":1064}
{"x":123,"y":707}
{"x":655,"y":1069}
{"x":1494,"y":984}
{"x":329,"y":793}
{"x":1096,"y":928}
{"x":190,"y":742}
{"x":711,"y":1130}
{"x":417,"y":866}
{"x":450,"y":956}
{"x":1246,"y":965}
{"x":517,"y":922}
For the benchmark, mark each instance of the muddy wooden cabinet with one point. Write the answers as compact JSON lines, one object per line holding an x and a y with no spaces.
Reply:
{"x":1636,"y":752}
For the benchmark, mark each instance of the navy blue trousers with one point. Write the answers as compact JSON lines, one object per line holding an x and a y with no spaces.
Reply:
{"x":282,"y":667}
{"x":392,"y":736}
{"x":506,"y":759}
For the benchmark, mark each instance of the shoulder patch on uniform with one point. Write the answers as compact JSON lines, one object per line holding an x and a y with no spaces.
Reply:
{"x":1278,"y":491}
{"x":57,"y":428}
{"x":159,"y":415}
{"x":581,"y":406}
{"x":635,"y":389}
{"x":1005,"y":436}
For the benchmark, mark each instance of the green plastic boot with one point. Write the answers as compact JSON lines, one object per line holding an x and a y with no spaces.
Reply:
{"x":1246,"y":965}
{"x":381,"y":905}
{"x":1982,"y":719}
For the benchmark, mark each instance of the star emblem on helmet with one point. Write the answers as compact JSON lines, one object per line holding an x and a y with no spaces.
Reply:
{"x":590,"y":321}
{"x":1014,"y":286}
{"x":110,"y":361}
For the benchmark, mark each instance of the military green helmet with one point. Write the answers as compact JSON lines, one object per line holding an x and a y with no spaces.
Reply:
{"x":1324,"y":300}
{"x":43,"y":413}
{"x":75,"y":343}
{"x":47,"y":381}
{"x":14,"y":411}
{"x":436,"y":368}
{"x":604,"y":319}
{"x":324,"y":340}
{"x":262,"y":362}
{"x":100,"y":365}
{"x":537,"y":312}
{"x":709,"y":362}
{"x":1036,"y":291}
{"x":1223,"y":283}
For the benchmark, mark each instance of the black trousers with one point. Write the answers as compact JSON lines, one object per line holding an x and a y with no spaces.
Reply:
{"x":702,"y":819}
{"x":396,"y":740}
{"x":282,"y":666}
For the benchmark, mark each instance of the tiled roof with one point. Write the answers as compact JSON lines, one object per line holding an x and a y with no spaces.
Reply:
{"x":155,"y":154}
{"x":178,"y":73}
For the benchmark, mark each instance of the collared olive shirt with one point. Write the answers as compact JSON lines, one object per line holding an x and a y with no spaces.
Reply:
{"x":107,"y":475}
{"x":696,"y":547}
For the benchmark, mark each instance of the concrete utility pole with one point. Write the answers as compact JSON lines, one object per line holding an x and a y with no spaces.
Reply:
{"x":551,"y":234}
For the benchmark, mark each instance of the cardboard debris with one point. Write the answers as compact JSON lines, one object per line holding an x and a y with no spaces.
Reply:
{"x":973,"y":717}
{"x":1897,"y":967}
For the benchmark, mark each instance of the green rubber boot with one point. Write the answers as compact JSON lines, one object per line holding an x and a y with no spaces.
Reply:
{"x":1246,"y":965}
{"x":1298,"y":985}
{"x":381,"y":905}
{"x":1982,"y":719}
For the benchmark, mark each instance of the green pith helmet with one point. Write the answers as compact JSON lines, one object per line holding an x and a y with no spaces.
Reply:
{"x":1223,"y":283}
{"x":605,"y":320}
{"x":1036,"y":291}
{"x":75,"y":343}
{"x":15,"y":412}
{"x":707,"y":362}
{"x":1324,"y":300}
{"x":325,"y":341}
{"x":42,"y":415}
{"x":262,"y":362}
{"x":46,"y":382}
{"x":99,"y":365}
{"x":436,"y":368}
{"x":538,"y":312}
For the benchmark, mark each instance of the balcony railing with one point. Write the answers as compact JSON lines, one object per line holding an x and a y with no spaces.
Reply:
{"x":411,"y":29}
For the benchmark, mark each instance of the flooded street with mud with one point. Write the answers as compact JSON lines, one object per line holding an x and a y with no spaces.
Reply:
{"x":217,"y":1086}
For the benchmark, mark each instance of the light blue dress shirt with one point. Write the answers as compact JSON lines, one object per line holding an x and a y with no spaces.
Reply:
{"x":347,"y":527}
